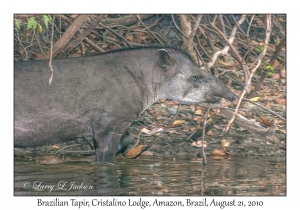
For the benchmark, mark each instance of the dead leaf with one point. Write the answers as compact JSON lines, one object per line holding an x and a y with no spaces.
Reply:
{"x":156,"y":130}
{"x":129,"y":37}
{"x":155,"y":127}
{"x":178,"y":122}
{"x":55,"y":147}
{"x":217,"y":152}
{"x":172,"y":131}
{"x":266,"y":88}
{"x":281,"y":101}
{"x":265,"y":121}
{"x":276,"y":76}
{"x":225,"y":143}
{"x":140,"y":38}
{"x":199,"y":112}
{"x":147,"y":153}
{"x":276,"y":65}
{"x":153,"y":113}
{"x":283,"y":73}
{"x":197,"y":119}
{"x":193,"y":128}
{"x":255,"y":99}
{"x":223,"y":151}
{"x":209,"y":133}
{"x":282,"y":131}
{"x":212,"y":113}
{"x":135,"y":151}
{"x":145,"y":130}
{"x":199,"y":144}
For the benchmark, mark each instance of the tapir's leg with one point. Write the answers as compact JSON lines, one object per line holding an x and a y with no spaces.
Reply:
{"x":106,"y":146}
{"x":106,"y":140}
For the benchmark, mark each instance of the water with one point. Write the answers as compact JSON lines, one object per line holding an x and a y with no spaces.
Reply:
{"x":153,"y":176}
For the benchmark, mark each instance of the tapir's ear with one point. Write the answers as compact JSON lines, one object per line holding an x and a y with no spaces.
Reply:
{"x":164,"y":59}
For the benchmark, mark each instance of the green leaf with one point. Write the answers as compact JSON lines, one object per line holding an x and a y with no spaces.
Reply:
{"x":270,"y":73}
{"x":18,"y":24}
{"x":40,"y":29}
{"x":31,"y":23}
{"x":270,"y":67}
{"x":260,"y":49}
{"x":47,"y":19}
{"x":50,"y":19}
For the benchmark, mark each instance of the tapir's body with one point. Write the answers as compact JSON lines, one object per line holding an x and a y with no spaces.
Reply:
{"x":103,"y":94}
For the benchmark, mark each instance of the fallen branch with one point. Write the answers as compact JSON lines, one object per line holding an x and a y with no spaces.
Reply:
{"x":247,"y":124}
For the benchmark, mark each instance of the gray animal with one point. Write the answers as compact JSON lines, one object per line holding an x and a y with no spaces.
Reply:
{"x":103,"y":93}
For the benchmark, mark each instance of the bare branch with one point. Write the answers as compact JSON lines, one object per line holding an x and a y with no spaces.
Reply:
{"x":192,"y":34}
{"x":248,"y":84}
{"x":228,"y":42}
{"x":81,"y":37}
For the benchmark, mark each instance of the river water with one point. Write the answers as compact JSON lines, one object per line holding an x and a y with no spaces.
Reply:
{"x":153,"y":176}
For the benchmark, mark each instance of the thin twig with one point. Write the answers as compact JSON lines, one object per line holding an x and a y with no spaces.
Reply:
{"x":138,"y":17}
{"x":74,"y":43}
{"x":229,"y":45}
{"x":92,"y":44}
{"x":230,"y":40}
{"x":252,"y":18}
{"x":176,"y":26}
{"x":116,"y":33}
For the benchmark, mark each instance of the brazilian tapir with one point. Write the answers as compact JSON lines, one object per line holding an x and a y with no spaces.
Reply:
{"x":103,"y":95}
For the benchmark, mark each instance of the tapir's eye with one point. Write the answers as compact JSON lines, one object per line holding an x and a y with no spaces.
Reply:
{"x":195,"y":79}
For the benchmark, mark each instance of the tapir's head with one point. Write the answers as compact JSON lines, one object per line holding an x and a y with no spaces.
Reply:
{"x":186,"y":83}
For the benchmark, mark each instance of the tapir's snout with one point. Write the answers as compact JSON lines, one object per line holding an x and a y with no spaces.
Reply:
{"x":227,"y":94}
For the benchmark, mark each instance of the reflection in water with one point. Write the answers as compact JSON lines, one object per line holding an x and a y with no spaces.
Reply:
{"x":153,"y":176}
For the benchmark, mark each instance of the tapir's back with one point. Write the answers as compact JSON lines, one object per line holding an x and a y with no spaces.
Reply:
{"x":111,"y":83}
